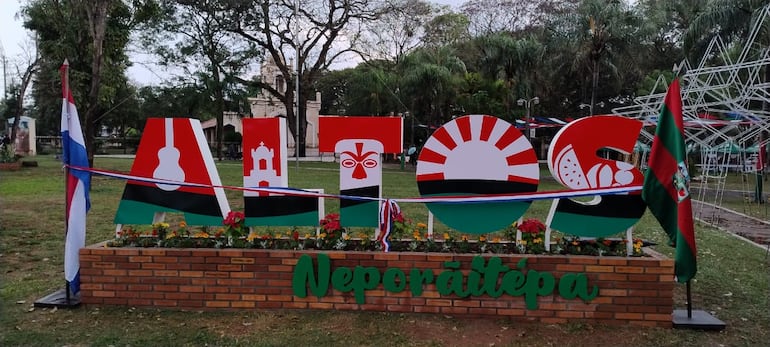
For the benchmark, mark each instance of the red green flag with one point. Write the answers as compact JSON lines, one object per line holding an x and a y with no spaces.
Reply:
{"x":666,"y":184}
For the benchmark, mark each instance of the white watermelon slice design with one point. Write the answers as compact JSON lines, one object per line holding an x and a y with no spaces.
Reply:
{"x":569,"y":171}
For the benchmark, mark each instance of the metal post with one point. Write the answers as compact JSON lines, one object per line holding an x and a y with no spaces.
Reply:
{"x":296,"y":93}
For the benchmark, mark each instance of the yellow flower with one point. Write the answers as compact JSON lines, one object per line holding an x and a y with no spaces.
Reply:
{"x":422,"y":225}
{"x":307,"y":235}
{"x":322,"y":236}
{"x":465,"y":237}
{"x":522,"y":242}
{"x":416,"y":233}
{"x":537,"y":240}
{"x":171,"y":235}
{"x":252,"y":237}
{"x":201,"y":235}
{"x":182,"y":224}
{"x":482,"y":238}
{"x":446,"y":236}
{"x":496,"y":239}
{"x":417,"y":237}
{"x":346,"y":237}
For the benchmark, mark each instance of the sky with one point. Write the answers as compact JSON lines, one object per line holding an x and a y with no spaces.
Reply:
{"x":14,"y":38}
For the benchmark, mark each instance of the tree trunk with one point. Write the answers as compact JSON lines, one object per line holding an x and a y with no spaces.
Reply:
{"x":97,"y":20}
{"x":594,"y":84}
{"x":220,"y":110}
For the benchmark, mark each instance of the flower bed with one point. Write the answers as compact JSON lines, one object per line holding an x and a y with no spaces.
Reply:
{"x":540,"y":288}
{"x":406,"y":238}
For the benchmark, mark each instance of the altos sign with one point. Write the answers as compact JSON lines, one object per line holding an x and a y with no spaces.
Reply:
{"x":486,"y":277}
{"x":472,"y":155}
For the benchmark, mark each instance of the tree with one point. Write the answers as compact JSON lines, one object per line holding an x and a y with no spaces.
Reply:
{"x":92,"y":35}
{"x":191,"y":36}
{"x":397,"y":32}
{"x":600,"y":31}
{"x":432,"y":77}
{"x":515,"y":62}
{"x":319,"y":33}
{"x":18,"y":92}
{"x":493,"y":16}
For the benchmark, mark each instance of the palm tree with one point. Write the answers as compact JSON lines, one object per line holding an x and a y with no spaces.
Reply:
{"x":605,"y":28}
{"x":512,"y":60}
{"x":431,"y":78}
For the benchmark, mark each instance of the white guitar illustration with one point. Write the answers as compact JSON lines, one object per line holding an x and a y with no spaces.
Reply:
{"x":168,"y":157}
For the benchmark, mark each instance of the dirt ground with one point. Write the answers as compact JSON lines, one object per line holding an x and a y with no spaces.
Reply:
{"x":754,"y":229}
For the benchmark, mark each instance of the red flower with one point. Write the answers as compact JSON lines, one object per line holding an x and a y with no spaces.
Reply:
{"x":331,"y":222}
{"x":295,"y":235}
{"x":531,"y":226}
{"x":234,"y":219}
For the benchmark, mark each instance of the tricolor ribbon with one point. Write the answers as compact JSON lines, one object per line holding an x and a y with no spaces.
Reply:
{"x":388,"y":212}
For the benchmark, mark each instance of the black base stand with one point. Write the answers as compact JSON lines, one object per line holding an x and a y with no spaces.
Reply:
{"x":700,"y":320}
{"x":58,"y":299}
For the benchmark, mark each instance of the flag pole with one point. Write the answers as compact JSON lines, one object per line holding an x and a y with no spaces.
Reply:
{"x":65,"y":94}
{"x":57,"y":298}
{"x":689,"y":300}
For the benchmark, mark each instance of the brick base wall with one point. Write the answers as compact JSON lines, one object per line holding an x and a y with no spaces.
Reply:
{"x":631,"y":290}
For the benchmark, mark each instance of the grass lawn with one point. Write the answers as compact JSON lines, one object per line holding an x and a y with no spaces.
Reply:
{"x":733,"y":283}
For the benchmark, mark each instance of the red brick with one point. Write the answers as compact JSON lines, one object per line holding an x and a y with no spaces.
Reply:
{"x":600,"y":268}
{"x":325,"y":306}
{"x":643,"y":278}
{"x":612,"y":277}
{"x":103,"y":265}
{"x":91,"y":286}
{"x":386,"y":256}
{"x":613,"y":292}
{"x":191,"y":289}
{"x":178,"y":266}
{"x":629,"y":316}
{"x":243,"y":304}
{"x":227,"y":297}
{"x":298,"y":305}
{"x":137,"y":273}
{"x":570,"y":267}
{"x":466,"y":303}
{"x":217,"y":260}
{"x":153,"y":251}
{"x":268,"y":304}
{"x":177,"y":296}
{"x":220,"y":304}
{"x":241,"y":275}
{"x":280,"y":268}
{"x":640,"y":292}
{"x":116,"y":287}
{"x":153,"y":266}
{"x":438,"y":302}
{"x":613,"y":261}
{"x":253,"y":297}
{"x":629,"y":269}
{"x":242,"y":260}
{"x":166,"y":259}
{"x":166,"y":273}
{"x":103,"y":293}
{"x":583,"y":260}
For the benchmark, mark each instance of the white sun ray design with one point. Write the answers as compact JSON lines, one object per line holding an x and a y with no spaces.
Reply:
{"x":451,"y":156}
